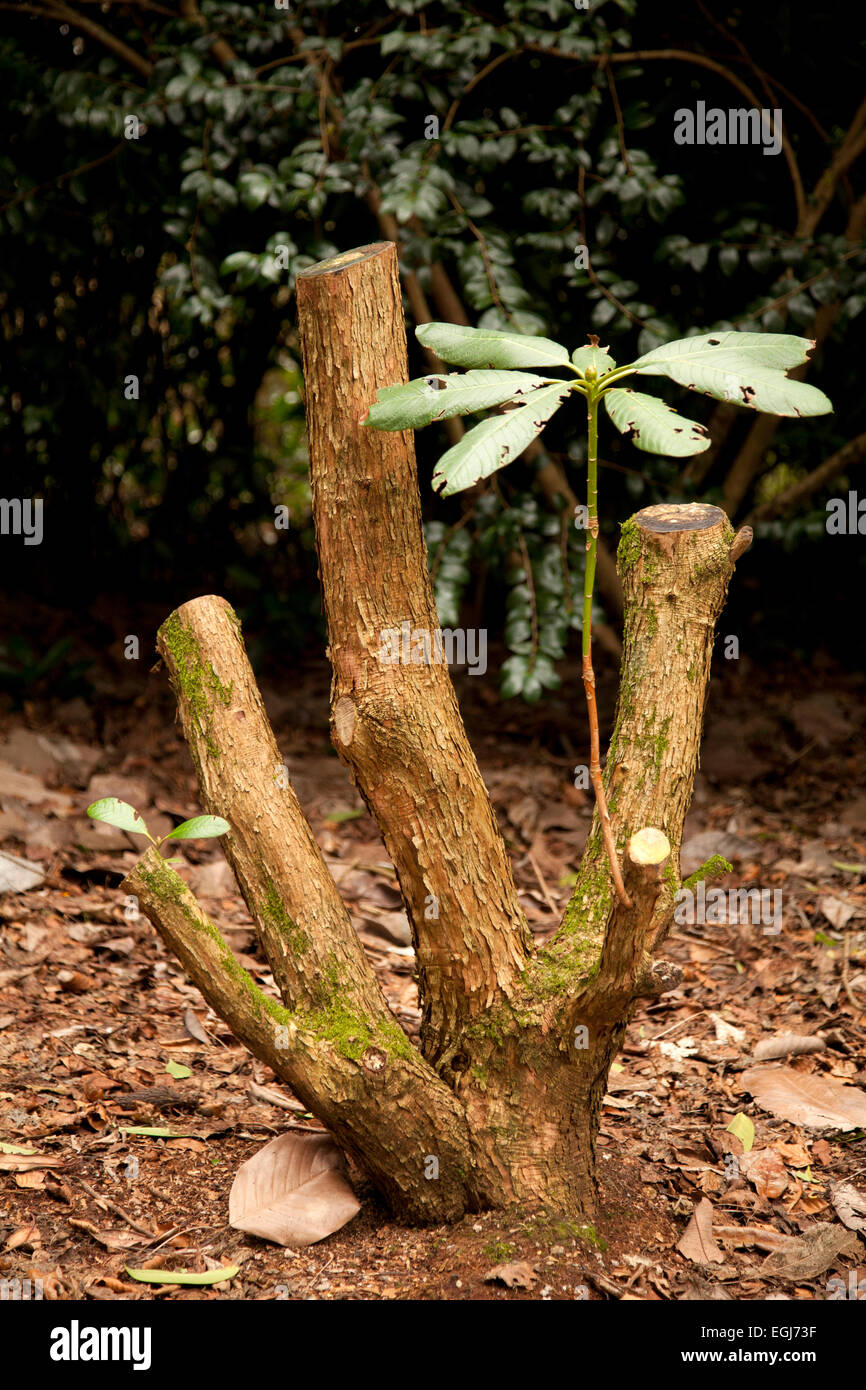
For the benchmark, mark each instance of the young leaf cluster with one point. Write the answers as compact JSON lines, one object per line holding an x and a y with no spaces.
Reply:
{"x":749,"y":369}
{"x":125,"y":817}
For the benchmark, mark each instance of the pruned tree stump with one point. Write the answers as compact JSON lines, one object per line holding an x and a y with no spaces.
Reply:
{"x":502,"y":1103}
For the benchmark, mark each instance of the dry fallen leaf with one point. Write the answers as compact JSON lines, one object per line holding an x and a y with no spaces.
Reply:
{"x":292,"y":1191}
{"x":26,"y":1237}
{"x":697,"y":1242}
{"x":726,"y":1032}
{"x":787,"y":1045}
{"x":517,"y":1275}
{"x":765,"y":1169}
{"x":836,"y":911}
{"x":34,"y":1180}
{"x":193,"y":1026}
{"x":96,"y":1084}
{"x":850,"y":1206}
{"x":764,"y":1237}
{"x":795,"y":1154}
{"x":812,"y":1101}
{"x":13,"y":1163}
{"x":809,"y":1255}
{"x":112,"y":1240}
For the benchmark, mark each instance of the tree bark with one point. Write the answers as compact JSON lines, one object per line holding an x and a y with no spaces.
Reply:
{"x":675,"y":563}
{"x":396,"y":724}
{"x":517,"y":1042}
{"x":361,"y":1076}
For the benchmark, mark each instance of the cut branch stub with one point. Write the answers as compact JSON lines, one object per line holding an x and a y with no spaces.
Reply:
{"x":675,"y":563}
{"x":303,"y":925}
{"x":624,"y":960}
{"x":649,"y":848}
{"x":395,"y":718}
{"x":361,"y":1076}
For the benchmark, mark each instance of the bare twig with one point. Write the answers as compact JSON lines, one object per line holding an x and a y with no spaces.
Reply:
{"x":108,"y":1205}
{"x":851,"y":453}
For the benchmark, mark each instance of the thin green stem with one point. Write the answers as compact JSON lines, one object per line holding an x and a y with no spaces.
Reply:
{"x":616,"y":375}
{"x":588,"y":673}
{"x":592,"y":526}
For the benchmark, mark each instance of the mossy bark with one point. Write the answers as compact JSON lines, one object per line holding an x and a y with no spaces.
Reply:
{"x":359,"y":1073}
{"x":293,"y":900}
{"x":507,"y":1090}
{"x":397,"y":725}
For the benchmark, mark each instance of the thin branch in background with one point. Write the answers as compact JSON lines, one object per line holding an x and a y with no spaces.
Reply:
{"x":803,"y":285}
{"x":767,"y":81}
{"x":488,"y":267}
{"x":581,"y":189}
{"x":61,"y":178}
{"x":312,"y":53}
{"x":527,"y":569}
{"x":738,"y":43}
{"x":850,"y":454}
{"x":700,"y":60}
{"x":452,"y":531}
{"x":220,"y":47}
{"x":620,"y":124}
{"x":95,"y":31}
{"x":479,"y":76}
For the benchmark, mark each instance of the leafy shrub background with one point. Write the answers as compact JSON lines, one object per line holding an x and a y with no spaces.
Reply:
{"x":263,"y":129}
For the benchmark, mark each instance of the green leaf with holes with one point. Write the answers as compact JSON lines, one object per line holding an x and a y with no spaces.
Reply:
{"x":439,"y":397}
{"x":487,"y":347}
{"x":653,"y":425}
{"x":117,"y":813}
{"x":745,"y":368}
{"x":496,"y":441}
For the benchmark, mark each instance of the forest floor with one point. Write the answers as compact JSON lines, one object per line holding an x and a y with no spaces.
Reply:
{"x":93,"y":1011}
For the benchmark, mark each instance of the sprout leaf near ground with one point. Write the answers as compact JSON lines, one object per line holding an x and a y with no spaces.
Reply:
{"x":125,"y":817}
{"x":118,"y":813}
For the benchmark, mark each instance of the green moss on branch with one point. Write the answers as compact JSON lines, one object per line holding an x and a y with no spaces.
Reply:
{"x":195,"y":677}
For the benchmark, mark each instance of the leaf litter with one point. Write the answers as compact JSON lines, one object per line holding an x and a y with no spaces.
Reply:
{"x":83,"y":1077}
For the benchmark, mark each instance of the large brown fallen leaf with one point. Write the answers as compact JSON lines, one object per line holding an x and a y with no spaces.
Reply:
{"x":813,"y":1101}
{"x":761,"y":1236}
{"x":809,"y":1255}
{"x":112,"y":1240}
{"x":25,"y":1237}
{"x":697,"y":1242}
{"x":293,"y":1191}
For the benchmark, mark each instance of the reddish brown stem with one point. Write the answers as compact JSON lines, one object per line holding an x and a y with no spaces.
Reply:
{"x":597,"y":783}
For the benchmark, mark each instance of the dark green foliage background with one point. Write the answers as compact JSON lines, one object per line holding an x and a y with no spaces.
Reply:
{"x":154,"y":257}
